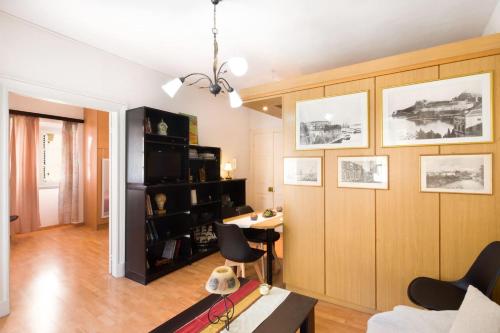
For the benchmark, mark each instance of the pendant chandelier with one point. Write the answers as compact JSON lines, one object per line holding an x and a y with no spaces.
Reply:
{"x":216,"y":84}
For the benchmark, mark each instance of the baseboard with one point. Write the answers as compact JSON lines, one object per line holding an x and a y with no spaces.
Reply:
{"x":4,"y":308}
{"x":331,"y":300}
{"x":119,"y":270}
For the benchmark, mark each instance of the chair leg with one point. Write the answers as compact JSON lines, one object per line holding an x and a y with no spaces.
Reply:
{"x":242,"y":267}
{"x":256,"y":266}
{"x":276,"y":260}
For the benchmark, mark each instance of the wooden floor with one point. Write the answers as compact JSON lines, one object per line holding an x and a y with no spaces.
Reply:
{"x":60,"y":283}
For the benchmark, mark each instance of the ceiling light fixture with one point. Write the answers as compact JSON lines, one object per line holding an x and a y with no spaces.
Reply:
{"x":218,"y":83}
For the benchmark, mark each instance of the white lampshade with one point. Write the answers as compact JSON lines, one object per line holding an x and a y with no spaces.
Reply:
{"x":171,"y":87}
{"x":222,"y":281}
{"x":235,"y":99}
{"x":238,"y":66}
{"x":228,"y":166}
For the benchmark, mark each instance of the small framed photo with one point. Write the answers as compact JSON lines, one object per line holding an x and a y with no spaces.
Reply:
{"x":370,"y":172}
{"x":457,"y":173}
{"x":302,"y":171}
{"x":337,"y":122}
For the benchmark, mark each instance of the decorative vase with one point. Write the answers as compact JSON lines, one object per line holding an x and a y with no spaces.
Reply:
{"x":162,"y":127}
{"x":161,"y":199}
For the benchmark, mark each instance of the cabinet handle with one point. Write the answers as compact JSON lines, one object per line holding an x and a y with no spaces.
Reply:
{"x":270,"y":189}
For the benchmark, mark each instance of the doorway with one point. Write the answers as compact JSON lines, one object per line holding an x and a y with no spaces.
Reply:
{"x":117,"y":172}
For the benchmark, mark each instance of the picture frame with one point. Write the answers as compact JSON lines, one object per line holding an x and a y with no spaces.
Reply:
{"x":305,"y":171}
{"x":366,"y":172}
{"x":456,"y":110}
{"x":338,"y":122}
{"x":457,"y":173}
{"x":193,"y":128}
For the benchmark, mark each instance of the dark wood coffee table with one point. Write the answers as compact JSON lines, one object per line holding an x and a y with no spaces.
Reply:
{"x":296,"y":312}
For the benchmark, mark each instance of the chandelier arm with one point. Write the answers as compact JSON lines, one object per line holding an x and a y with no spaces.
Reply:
{"x":195,"y":82}
{"x":220,"y":69}
{"x":226,"y":84}
{"x":201,"y":74}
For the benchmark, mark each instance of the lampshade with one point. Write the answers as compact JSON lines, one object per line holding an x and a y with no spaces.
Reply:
{"x":228,"y":166}
{"x":238,"y":66}
{"x":171,"y":87}
{"x":235,"y":99}
{"x":222,"y":281}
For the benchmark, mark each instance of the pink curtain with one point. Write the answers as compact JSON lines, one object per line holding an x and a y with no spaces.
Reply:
{"x":24,"y":138}
{"x":69,"y":185}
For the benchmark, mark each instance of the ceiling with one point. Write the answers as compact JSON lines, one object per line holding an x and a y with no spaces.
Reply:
{"x":279,"y":38}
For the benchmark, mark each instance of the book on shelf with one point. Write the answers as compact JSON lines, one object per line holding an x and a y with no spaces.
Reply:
{"x":149,"y":207}
{"x":155,"y":231}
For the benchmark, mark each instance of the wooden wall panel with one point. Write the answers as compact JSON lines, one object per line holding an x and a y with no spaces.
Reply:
{"x":469,"y":222}
{"x":350,"y":219}
{"x":304,"y":210}
{"x":407,"y":226}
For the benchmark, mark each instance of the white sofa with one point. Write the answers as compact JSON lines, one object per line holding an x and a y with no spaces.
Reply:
{"x":405,"y":319}
{"x":477,"y":314}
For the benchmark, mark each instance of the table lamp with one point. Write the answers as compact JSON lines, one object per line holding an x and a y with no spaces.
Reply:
{"x":223,"y":282}
{"x":228,"y":167}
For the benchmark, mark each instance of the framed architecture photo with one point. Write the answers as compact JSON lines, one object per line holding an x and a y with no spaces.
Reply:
{"x":457,"y":173}
{"x":363,"y":172}
{"x":450,"y":111}
{"x":332,"y":123}
{"x":302,"y":171}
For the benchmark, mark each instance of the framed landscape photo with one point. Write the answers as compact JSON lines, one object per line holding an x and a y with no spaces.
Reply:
{"x":456,"y":173}
{"x":363,"y":172}
{"x":332,"y":123}
{"x":302,"y":171}
{"x":193,"y":128}
{"x":450,"y":111}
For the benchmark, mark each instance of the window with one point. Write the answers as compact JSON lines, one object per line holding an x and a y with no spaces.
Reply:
{"x":50,"y":153}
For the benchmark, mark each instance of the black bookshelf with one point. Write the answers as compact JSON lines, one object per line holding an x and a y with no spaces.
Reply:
{"x":157,"y":243}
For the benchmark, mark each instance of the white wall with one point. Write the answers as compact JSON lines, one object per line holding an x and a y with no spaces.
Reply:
{"x":260,"y":120}
{"x":28,"y":104}
{"x":36,"y":56}
{"x":493,"y":25}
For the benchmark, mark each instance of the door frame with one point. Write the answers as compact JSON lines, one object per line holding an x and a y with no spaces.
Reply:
{"x":117,"y":172}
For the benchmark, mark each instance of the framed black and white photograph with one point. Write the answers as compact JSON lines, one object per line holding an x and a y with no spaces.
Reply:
{"x":456,"y":173}
{"x":450,"y":111}
{"x":302,"y":171}
{"x":333,"y":122}
{"x":363,"y":172}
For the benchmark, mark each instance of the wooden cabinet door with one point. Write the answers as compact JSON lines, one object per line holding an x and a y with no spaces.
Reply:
{"x":407,"y":220}
{"x":304,"y":243}
{"x":469,"y":221}
{"x":350,"y":219}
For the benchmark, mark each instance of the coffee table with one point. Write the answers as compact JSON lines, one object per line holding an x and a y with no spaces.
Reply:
{"x":296,"y":312}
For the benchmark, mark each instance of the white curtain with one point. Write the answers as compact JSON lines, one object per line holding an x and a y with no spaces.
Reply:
{"x":70,"y":180}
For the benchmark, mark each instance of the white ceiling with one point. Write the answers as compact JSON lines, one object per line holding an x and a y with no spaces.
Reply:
{"x":279,"y":38}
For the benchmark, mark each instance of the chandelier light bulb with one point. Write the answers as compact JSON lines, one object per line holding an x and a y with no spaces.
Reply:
{"x":235,"y":99}
{"x":171,"y":87}
{"x":238,"y":66}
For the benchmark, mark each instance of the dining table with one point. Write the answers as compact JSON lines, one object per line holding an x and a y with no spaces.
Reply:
{"x":263,"y":223}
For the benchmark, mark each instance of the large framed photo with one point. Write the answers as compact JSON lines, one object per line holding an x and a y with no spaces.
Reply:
{"x":456,"y":173}
{"x":363,"y":172}
{"x":450,"y":111}
{"x":332,"y":123}
{"x":302,"y":171}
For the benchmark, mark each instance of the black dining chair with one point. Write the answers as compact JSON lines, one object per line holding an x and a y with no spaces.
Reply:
{"x":235,"y":249}
{"x":259,"y":236}
{"x":448,"y":295}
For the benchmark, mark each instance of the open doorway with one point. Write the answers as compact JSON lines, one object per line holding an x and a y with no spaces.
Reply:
{"x":111,"y":249}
